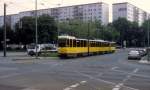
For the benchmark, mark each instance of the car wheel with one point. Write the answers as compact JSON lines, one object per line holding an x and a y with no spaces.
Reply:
{"x":31,"y":53}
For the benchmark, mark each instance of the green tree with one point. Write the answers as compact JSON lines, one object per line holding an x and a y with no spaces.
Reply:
{"x":47,"y":30}
{"x":9,"y":36}
{"x":122,"y":25}
{"x":25,"y":30}
{"x":145,"y":27}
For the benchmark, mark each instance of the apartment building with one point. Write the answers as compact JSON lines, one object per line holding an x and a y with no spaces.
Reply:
{"x":1,"y":21}
{"x":85,"y":12}
{"x":8,"y":20}
{"x":130,"y":12}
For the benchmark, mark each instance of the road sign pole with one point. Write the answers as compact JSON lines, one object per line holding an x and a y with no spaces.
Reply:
{"x":148,"y":49}
{"x":4,"y":43}
{"x":36,"y":31}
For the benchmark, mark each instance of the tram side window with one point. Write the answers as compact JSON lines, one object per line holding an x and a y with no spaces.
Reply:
{"x":81,"y":43}
{"x":99,"y":44}
{"x":62,"y":43}
{"x":96,"y":44}
{"x":71,"y":42}
{"x":78,"y":43}
{"x":102,"y":44}
{"x":85,"y":43}
{"x":91,"y":44}
{"x":67,"y":43}
{"x":108,"y":45}
{"x":74,"y":43}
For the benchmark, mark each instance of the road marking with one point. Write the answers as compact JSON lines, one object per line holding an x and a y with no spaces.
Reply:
{"x":83,"y":82}
{"x":113,"y":68}
{"x":138,"y":75}
{"x":118,"y":86}
{"x":91,"y":77}
{"x":75,"y":85}
{"x":135,"y":70}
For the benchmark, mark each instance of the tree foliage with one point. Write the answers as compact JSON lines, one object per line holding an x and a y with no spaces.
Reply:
{"x":47,"y":30}
{"x":96,"y":30}
{"x":118,"y":31}
{"x":9,"y":36}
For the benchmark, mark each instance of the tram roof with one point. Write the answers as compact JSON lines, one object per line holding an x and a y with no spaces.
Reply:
{"x":81,"y":39}
{"x":98,"y":40}
{"x":67,"y":37}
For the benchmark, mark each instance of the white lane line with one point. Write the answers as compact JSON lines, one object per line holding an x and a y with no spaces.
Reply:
{"x":138,"y":75}
{"x":118,"y":86}
{"x":68,"y":88}
{"x":113,"y":68}
{"x":75,"y":85}
{"x":136,"y":70}
{"x":129,"y":88}
{"x":83,"y":82}
{"x":97,"y":79}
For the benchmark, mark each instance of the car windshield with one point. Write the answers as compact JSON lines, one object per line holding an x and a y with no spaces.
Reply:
{"x":133,"y":52}
{"x":31,"y":47}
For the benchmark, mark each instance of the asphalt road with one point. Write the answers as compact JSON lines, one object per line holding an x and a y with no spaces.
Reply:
{"x":103,"y":72}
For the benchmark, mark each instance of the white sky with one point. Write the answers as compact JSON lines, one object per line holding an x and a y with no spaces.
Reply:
{"x":15,"y":6}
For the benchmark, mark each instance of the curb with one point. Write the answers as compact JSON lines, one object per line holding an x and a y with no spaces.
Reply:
{"x":33,"y":58}
{"x":144,"y":61}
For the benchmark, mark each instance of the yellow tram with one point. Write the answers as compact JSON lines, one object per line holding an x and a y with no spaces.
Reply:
{"x":69,"y":46}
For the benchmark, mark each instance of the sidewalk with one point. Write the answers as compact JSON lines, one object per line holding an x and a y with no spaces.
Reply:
{"x":144,"y":60}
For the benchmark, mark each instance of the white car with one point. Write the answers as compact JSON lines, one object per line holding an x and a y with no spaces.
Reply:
{"x":41,"y":48}
{"x":134,"y":54}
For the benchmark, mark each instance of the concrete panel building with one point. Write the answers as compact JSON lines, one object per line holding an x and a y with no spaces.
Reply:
{"x":85,"y":12}
{"x":8,"y":20}
{"x":1,"y":21}
{"x":130,"y":12}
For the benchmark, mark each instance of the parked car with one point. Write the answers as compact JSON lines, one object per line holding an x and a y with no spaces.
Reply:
{"x":142,"y":52}
{"x":134,"y":54}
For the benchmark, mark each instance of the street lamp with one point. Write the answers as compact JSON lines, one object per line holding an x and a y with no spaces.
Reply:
{"x":5,"y":33}
{"x":4,"y":42}
{"x":36,"y":27}
{"x":148,"y":49}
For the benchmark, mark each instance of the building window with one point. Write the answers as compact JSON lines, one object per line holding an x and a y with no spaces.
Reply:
{"x":122,"y":9}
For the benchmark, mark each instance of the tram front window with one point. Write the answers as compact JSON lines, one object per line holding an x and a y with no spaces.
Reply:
{"x":62,"y":43}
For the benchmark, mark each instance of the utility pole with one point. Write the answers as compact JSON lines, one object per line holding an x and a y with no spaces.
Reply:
{"x":4,"y":41}
{"x":88,"y":34}
{"x":36,"y":31}
{"x":148,"y":49}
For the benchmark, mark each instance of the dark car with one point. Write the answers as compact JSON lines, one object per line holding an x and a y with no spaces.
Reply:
{"x":142,"y":52}
{"x":134,"y":54}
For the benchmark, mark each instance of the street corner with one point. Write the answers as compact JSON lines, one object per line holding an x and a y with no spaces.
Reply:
{"x":144,"y":62}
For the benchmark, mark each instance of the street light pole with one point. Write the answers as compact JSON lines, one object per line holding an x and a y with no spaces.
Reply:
{"x":4,"y":41}
{"x":36,"y":31}
{"x":148,"y":56}
{"x":88,"y":36}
